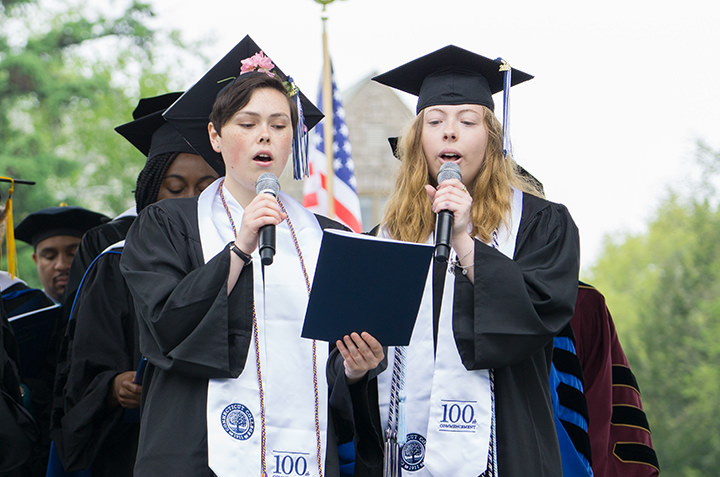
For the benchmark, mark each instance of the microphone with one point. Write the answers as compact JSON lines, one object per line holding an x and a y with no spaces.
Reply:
{"x":267,"y":183}
{"x":445,"y":218}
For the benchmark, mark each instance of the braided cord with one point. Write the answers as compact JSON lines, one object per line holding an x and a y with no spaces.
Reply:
{"x":314,"y":346}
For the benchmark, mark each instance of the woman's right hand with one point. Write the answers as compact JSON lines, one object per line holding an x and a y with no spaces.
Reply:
{"x":452,"y":195}
{"x":262,"y":210}
{"x":361,"y":353}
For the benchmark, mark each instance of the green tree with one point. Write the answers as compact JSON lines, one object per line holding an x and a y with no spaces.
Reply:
{"x":663,"y":288}
{"x":69,"y":74}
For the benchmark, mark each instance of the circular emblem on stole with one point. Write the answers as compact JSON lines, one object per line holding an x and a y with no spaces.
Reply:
{"x":237,"y":420}
{"x":412,"y":456}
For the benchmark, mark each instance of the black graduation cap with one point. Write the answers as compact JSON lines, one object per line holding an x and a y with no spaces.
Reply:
{"x":451,"y":75}
{"x":53,"y":221}
{"x":523,"y":172}
{"x":149,"y":132}
{"x":6,"y":210}
{"x":393,"y":141}
{"x":190,"y":114}
{"x":16,"y":181}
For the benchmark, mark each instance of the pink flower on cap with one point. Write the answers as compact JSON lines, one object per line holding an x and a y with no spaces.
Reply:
{"x":258,"y":62}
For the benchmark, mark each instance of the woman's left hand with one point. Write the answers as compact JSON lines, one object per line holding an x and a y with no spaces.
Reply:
{"x":361,"y":352}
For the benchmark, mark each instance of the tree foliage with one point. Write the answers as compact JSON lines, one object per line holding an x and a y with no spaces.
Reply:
{"x":68,"y":77}
{"x":663,"y":288}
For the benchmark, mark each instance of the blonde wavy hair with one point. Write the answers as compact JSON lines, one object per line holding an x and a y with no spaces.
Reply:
{"x":408,"y":215}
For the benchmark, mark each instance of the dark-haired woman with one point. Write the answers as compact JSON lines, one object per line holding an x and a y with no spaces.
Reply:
{"x":231,"y":388}
{"x":95,"y":420}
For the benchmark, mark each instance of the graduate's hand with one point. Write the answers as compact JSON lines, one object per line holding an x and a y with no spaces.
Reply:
{"x":262,"y":210}
{"x":124,"y":391}
{"x":453,"y":196}
{"x":361,"y":352}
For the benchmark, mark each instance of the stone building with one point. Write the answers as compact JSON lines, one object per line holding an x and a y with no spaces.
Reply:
{"x":373,"y":113}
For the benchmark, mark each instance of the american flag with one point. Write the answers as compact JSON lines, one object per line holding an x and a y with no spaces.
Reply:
{"x":347,"y":204}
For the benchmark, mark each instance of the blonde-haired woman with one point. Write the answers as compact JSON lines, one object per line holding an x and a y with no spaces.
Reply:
{"x":470,"y":395}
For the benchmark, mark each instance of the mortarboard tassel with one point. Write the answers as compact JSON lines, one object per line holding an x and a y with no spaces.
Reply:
{"x":10,"y":233}
{"x":301,"y":166}
{"x":507,"y":83}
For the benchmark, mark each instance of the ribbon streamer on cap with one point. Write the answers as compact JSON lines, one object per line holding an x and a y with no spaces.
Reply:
{"x":507,"y":83}
{"x":301,"y":166}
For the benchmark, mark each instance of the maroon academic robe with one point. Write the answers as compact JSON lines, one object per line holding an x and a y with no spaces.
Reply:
{"x":619,"y":432}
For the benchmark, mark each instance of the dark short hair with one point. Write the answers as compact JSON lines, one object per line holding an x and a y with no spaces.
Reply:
{"x":237,"y":95}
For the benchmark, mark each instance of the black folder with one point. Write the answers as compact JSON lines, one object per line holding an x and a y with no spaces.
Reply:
{"x":32,"y":332}
{"x":366,"y":283}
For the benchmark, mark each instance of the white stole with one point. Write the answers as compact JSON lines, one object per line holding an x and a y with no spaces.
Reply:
{"x":448,"y":408}
{"x":233,"y":407}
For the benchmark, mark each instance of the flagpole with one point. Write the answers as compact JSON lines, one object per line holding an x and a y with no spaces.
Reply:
{"x":327,"y":94}
{"x":329,"y":119}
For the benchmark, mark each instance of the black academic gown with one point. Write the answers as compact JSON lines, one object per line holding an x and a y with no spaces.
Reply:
{"x":19,"y":431}
{"x":191,"y":331}
{"x":104,"y":344}
{"x":17,"y":300}
{"x":506,"y":321}
{"x":93,"y":242}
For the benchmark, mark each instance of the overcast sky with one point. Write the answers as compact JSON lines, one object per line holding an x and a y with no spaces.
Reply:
{"x":623,"y":89}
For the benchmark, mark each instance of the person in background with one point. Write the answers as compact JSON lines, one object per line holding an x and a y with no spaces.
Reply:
{"x":95,"y":240}
{"x":54,"y":234}
{"x":619,"y":432}
{"x":18,"y":297}
{"x":471,"y":394}
{"x":230,"y":387}
{"x":570,"y":409}
{"x":96,"y":423}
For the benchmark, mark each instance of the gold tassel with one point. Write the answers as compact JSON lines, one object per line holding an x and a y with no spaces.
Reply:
{"x":10,"y":232}
{"x":11,"y":253}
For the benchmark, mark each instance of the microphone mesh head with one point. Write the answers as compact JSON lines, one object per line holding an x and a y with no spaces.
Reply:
{"x":268,"y":183}
{"x":449,"y":170}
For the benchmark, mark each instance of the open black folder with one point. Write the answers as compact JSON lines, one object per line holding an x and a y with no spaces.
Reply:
{"x":365,"y":283}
